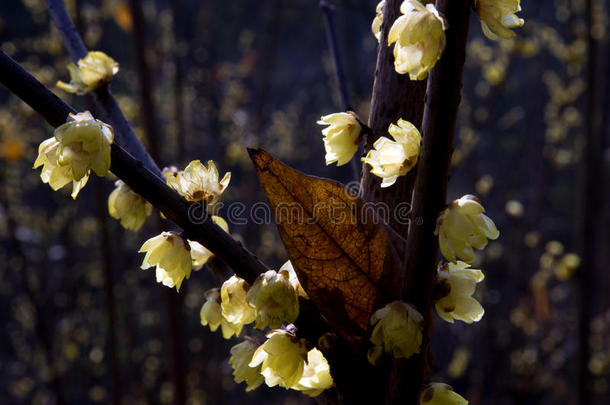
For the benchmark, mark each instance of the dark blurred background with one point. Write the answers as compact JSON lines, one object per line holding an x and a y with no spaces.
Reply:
{"x":83,"y":324}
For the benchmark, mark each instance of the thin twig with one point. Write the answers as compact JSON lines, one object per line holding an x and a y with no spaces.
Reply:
{"x":593,"y":207}
{"x":109,"y":303}
{"x":328,"y":11}
{"x":106,"y":107}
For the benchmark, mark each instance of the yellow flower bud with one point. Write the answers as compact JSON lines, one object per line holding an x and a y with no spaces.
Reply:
{"x":316,"y":375}
{"x":461,"y":227}
{"x":128,"y":207}
{"x":93,"y":71}
{"x":440,"y":394}
{"x":282,"y":359}
{"x":378,"y":20}
{"x":199,"y":183}
{"x":389,"y":159}
{"x":275,"y":300}
{"x":235,"y":309}
{"x":341,"y":137}
{"x":498,"y":17}
{"x":168,"y":251}
{"x":199,"y":253}
{"x":241,"y":356}
{"x":80,"y":145}
{"x":420,"y":39}
{"x":211,"y":315}
{"x":459,"y":303}
{"x":294,"y":280}
{"x":398,"y":329}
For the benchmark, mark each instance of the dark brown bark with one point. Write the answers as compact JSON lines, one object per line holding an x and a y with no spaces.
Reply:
{"x":109,"y":307}
{"x":146,"y":83}
{"x":394,"y":96}
{"x":443,"y":97}
{"x":593,"y":206}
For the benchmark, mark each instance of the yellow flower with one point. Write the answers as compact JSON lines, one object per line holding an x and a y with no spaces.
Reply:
{"x":459,"y":304}
{"x":316,"y":375}
{"x":80,"y":145}
{"x":294,"y":280}
{"x":169,"y":252}
{"x":235,"y":309}
{"x":93,"y":71}
{"x":498,"y":17}
{"x":378,"y":20}
{"x":420,"y":39}
{"x":282,"y":359}
{"x":57,"y":176}
{"x":440,"y":394}
{"x":127,"y":206}
{"x":199,"y":253}
{"x":241,"y":356}
{"x":211,"y":314}
{"x":275,"y":300}
{"x":389,"y":159}
{"x":199,"y":183}
{"x":461,"y":227}
{"x":341,"y":137}
{"x":398,"y":329}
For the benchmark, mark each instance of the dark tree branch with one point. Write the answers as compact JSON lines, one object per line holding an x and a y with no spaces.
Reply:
{"x":137,"y":177}
{"x":105,"y":106}
{"x":109,"y":303}
{"x":394,"y":96}
{"x":328,"y":11}
{"x":145,"y":80}
{"x":189,"y":217}
{"x":443,"y":97}
{"x":593,"y":206}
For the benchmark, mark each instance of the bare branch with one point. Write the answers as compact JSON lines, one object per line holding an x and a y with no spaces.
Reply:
{"x":443,"y":97}
{"x":105,"y":106}
{"x":394,"y":97}
{"x":140,"y":179}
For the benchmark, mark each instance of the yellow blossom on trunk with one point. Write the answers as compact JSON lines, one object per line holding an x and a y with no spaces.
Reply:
{"x":316,"y":375}
{"x":341,"y":137}
{"x":128,"y":207}
{"x":169,"y":252}
{"x":378,"y":20}
{"x":390,"y":159}
{"x":294,"y":280}
{"x":93,"y":71}
{"x":463,"y":226}
{"x":235,"y":309}
{"x":282,"y":359}
{"x":199,"y":253}
{"x":459,"y":304}
{"x":498,"y":17}
{"x":440,"y":394}
{"x":199,"y":183}
{"x":78,"y":146}
{"x":275,"y":300}
{"x":398,"y":329}
{"x":419,"y":35}
{"x":241,"y":356}
{"x":211,"y":315}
